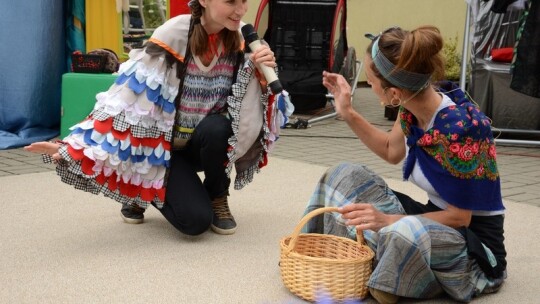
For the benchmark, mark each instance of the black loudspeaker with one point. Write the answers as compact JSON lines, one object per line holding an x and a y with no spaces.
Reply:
{"x":299,"y":33}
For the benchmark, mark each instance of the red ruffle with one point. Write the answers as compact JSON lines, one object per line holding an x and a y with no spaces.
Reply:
{"x":264,"y":161}
{"x":129,"y":190}
{"x":148,"y":194}
{"x":119,"y":134}
{"x":74,"y":153}
{"x":87,"y":166}
{"x":104,"y":126}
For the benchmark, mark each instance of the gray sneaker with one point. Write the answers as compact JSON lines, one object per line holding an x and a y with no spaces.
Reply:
{"x":132,"y":214}
{"x":222,"y":222}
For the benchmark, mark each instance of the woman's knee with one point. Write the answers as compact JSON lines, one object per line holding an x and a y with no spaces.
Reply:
{"x":195,"y":224}
{"x":356,"y":180}
{"x":408,"y":230}
{"x":188,"y":221}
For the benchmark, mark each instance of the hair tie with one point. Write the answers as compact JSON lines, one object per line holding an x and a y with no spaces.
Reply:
{"x":197,"y":21}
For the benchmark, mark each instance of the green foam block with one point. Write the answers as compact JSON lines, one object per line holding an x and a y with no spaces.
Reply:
{"x":79,"y":96}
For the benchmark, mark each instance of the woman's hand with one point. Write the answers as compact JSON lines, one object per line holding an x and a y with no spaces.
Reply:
{"x":45,"y":147}
{"x":365,"y":216}
{"x":263,"y":55}
{"x":341,"y":90}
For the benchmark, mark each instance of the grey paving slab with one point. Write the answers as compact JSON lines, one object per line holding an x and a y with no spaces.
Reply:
{"x":5,"y":173}
{"x":28,"y":170}
{"x":9,"y":162}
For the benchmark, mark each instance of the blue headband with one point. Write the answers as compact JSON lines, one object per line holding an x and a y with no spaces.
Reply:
{"x":400,"y":78}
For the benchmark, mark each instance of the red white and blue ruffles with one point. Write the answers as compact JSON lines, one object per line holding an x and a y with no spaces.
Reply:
{"x":122,"y":149}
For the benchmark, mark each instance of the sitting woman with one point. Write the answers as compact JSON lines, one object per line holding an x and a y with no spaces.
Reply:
{"x":454,"y":243}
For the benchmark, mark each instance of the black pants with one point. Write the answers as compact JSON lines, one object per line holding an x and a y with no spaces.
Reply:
{"x":187,"y":199}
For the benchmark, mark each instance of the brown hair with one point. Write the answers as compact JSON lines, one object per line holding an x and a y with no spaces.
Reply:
{"x":417,"y":51}
{"x":199,"y":38}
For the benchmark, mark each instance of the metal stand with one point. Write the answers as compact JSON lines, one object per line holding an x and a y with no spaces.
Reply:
{"x":305,"y":123}
{"x":518,"y":141}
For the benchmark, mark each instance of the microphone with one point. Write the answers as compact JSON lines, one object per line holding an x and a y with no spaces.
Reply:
{"x":252,"y":39}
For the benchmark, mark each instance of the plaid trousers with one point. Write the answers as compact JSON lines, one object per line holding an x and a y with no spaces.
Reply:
{"x":414,"y":257}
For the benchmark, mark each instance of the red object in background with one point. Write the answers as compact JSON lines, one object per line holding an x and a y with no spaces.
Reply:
{"x":502,"y":54}
{"x":179,"y":7}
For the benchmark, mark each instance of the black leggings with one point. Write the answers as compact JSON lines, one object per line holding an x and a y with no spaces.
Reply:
{"x":187,"y":199}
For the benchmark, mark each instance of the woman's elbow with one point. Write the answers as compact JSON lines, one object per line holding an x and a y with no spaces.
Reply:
{"x":394,"y":159}
{"x":466,"y":221}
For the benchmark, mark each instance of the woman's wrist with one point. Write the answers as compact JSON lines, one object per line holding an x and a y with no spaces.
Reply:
{"x":347,"y":113}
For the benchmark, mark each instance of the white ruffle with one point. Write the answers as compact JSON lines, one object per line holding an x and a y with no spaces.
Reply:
{"x":153,"y":72}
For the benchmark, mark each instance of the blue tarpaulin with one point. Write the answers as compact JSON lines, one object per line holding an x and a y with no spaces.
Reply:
{"x":32,"y":61}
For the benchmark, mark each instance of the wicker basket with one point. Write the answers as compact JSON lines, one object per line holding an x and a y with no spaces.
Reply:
{"x":314,"y":263}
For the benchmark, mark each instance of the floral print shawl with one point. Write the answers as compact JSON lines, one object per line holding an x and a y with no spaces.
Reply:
{"x":457,"y":155}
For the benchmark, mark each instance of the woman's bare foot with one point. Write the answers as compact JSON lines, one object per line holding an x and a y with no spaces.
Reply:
{"x":45,"y":147}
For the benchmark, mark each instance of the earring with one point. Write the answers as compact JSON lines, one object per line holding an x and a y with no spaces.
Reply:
{"x":392,"y":100}
{"x":395,"y":105}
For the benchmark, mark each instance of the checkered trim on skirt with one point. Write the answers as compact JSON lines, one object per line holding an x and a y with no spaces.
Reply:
{"x":71,"y":173}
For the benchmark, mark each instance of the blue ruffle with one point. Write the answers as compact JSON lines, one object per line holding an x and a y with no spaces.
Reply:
{"x":88,"y":138}
{"x":153,"y":95}
{"x":135,"y":85}
{"x":121,"y":79}
{"x":124,"y":154}
{"x":154,"y":160}
{"x":107,"y":146}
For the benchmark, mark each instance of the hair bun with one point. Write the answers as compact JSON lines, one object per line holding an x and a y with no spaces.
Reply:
{"x":429,"y":38}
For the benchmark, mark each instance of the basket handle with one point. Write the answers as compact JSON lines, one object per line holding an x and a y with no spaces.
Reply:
{"x":309,"y":216}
